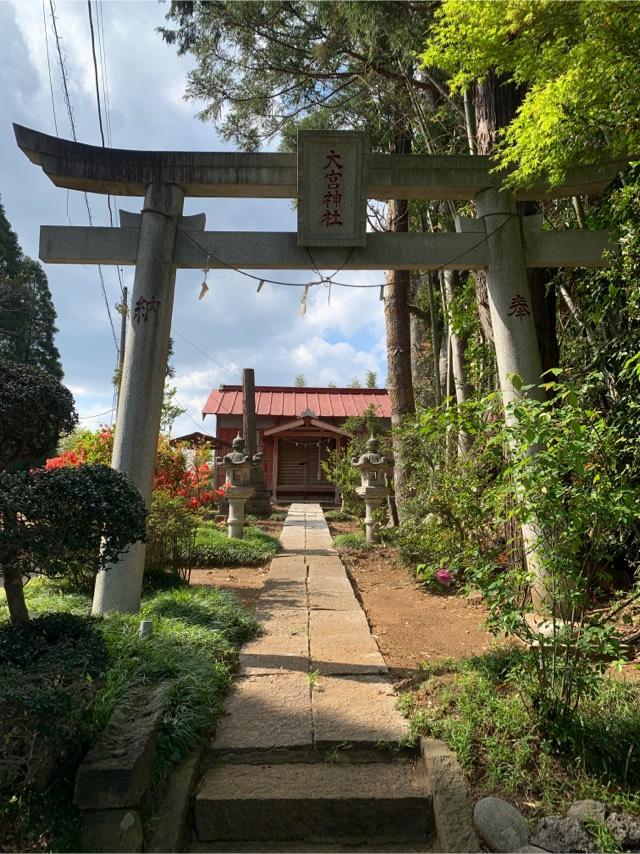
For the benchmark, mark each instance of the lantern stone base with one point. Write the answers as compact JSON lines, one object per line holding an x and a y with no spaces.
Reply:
{"x":373,"y":497}
{"x":237,"y":497}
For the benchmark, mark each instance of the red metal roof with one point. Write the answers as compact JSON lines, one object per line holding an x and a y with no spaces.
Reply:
{"x":292,"y":402}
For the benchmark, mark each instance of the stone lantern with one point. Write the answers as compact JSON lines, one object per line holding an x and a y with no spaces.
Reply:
{"x":373,"y":470}
{"x":237,"y":468}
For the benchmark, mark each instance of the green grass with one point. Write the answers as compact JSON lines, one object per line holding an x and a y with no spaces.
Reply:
{"x":473,"y":707}
{"x":194,"y":645}
{"x":339,"y":516}
{"x":214,"y":548}
{"x":351,"y":541}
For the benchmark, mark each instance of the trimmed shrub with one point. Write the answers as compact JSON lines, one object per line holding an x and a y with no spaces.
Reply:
{"x":34,"y":410}
{"x":64,"y":522}
{"x":351,"y":541}
{"x":214,"y":548}
{"x":339,"y":516}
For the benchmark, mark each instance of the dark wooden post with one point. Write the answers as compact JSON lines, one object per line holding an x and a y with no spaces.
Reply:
{"x":274,"y":469}
{"x":259,"y":504}
{"x":249,"y":411}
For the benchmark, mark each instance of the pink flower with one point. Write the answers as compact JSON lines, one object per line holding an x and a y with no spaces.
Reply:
{"x":444,"y":577}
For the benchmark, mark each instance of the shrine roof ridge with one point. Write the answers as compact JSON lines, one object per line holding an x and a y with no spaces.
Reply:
{"x":128,"y":172}
{"x":308,"y":388}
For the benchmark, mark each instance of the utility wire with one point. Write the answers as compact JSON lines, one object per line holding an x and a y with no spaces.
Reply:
{"x":102,"y":49}
{"x":67,"y":101}
{"x":206,"y":355}
{"x":188,"y":414}
{"x":95,"y":73}
{"x":97,"y":415}
{"x":46,"y":42}
{"x":100,"y":122}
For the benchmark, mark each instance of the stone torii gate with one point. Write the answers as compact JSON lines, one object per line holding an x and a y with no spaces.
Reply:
{"x":332,"y":176}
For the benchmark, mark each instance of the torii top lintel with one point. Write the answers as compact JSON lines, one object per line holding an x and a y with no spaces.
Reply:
{"x":126,"y":172}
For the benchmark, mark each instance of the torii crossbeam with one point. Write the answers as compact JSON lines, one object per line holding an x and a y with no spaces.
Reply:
{"x":160,"y":239}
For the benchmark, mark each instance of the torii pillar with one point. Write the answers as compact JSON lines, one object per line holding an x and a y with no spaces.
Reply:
{"x":118,"y":588}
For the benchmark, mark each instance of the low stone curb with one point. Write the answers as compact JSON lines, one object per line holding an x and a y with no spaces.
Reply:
{"x":169,"y":830}
{"x":116,"y":773}
{"x":451,"y":806}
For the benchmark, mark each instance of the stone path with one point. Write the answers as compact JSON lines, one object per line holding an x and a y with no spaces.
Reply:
{"x":297,"y":754}
{"x":316,"y":677}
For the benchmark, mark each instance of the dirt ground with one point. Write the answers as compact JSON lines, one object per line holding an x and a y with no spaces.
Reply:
{"x":245,"y":581}
{"x":411,"y":625}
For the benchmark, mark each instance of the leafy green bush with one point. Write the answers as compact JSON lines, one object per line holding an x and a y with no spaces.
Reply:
{"x":35,"y":408}
{"x":472,"y":706}
{"x":171,"y":535}
{"x":447,"y":523}
{"x":338,"y":516}
{"x":214,"y":547}
{"x":561,"y":482}
{"x":337,"y":466}
{"x":64,"y":521}
{"x":48,"y":672}
{"x":351,"y":541}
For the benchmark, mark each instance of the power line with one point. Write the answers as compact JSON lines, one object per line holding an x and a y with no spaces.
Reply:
{"x":67,"y":101}
{"x":97,"y":415}
{"x":95,"y":73}
{"x":100,"y":122}
{"x":206,"y":355}
{"x":188,"y":414}
{"x":46,"y":42}
{"x":102,"y":50}
{"x":97,"y":85}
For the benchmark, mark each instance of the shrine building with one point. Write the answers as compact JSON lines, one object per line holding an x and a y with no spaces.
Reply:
{"x":295,"y":427}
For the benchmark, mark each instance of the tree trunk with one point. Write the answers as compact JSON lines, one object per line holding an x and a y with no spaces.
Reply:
{"x":443,"y":364}
{"x":451,"y":279}
{"x":435,"y":341}
{"x":397,"y":325}
{"x":420,"y":350}
{"x":14,"y":591}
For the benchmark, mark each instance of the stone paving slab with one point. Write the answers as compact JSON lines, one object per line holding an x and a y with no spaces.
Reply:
{"x":323,"y":601}
{"x":284,"y":592}
{"x":325,"y":562}
{"x":266,"y":712}
{"x":341,"y":643}
{"x":284,"y":644}
{"x":272,"y":615}
{"x":320,"y":584}
{"x":356,"y":709}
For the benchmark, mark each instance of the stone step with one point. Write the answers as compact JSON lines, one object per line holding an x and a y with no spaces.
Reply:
{"x":333,"y":802}
{"x":429,"y":846}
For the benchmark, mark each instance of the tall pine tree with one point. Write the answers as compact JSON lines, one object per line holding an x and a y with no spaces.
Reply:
{"x":27,"y":315}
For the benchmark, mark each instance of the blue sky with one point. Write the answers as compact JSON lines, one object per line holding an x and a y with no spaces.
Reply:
{"x":234,"y":325}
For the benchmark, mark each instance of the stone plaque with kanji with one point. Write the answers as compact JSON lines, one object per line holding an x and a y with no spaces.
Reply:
{"x":332,"y":202}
